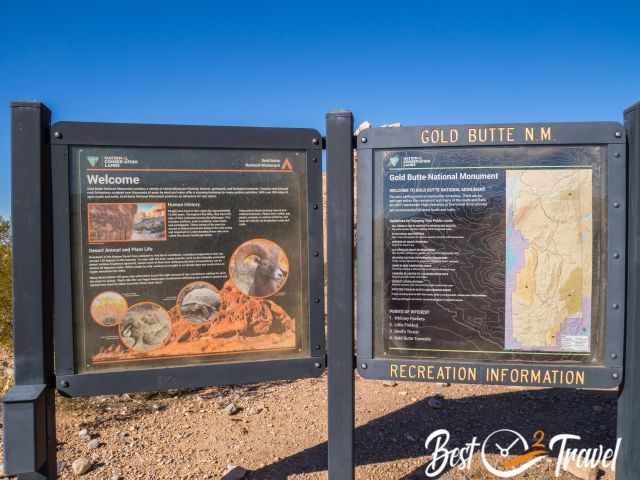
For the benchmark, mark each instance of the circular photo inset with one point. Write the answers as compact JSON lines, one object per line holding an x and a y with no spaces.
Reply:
{"x":198,"y":302}
{"x":259,"y":268}
{"x":108,"y":309}
{"x":146,"y":327}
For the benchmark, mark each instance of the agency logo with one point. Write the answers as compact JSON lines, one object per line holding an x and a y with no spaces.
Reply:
{"x":93,"y":160}
{"x":512,"y":454}
{"x":393,"y":161}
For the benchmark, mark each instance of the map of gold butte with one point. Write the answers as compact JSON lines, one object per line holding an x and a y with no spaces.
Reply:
{"x":491,"y":253}
{"x":548,"y":262}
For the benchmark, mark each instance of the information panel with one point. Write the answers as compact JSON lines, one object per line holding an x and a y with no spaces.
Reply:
{"x":489,"y":253}
{"x":188,"y":255}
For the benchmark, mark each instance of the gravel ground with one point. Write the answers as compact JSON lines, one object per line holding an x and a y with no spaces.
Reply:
{"x":280,"y":429}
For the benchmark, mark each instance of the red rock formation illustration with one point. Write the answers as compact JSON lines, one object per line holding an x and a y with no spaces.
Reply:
{"x":243,"y":323}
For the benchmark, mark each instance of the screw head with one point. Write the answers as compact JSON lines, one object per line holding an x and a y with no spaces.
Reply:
{"x":616,"y":255}
{"x":616,"y":204}
{"x":318,"y":347}
{"x":618,"y":134}
{"x":615,"y":375}
{"x":317,"y":365}
{"x":57,"y":135}
{"x":316,"y":254}
{"x":315,"y":160}
{"x":615,"y":306}
{"x":363,"y":139}
{"x":315,"y":141}
{"x":317,"y":300}
{"x":617,"y":154}
{"x":614,"y":356}
{"x":64,"y":384}
{"x":364,"y":366}
{"x":315,"y":206}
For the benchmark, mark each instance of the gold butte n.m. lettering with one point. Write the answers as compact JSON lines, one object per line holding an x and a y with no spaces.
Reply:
{"x":485,"y":135}
{"x":490,"y":376}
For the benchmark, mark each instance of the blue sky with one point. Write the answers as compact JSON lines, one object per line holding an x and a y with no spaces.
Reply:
{"x":288,"y":63}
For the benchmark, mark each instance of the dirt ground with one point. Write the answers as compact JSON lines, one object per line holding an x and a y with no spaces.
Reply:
{"x":280,"y":431}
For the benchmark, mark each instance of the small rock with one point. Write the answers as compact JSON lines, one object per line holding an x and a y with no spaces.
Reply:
{"x":403,"y":393}
{"x":583,"y":473}
{"x":388,"y":383}
{"x":83,"y":433}
{"x":234,"y":472}
{"x":115,"y":476}
{"x":93,"y":444}
{"x":231,"y":409}
{"x":156,"y":408}
{"x":256,"y":409}
{"x":435,"y":403}
{"x":81,"y":466}
{"x":445,"y":385}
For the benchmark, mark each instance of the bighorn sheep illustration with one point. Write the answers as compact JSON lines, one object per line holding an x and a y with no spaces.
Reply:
{"x":265,"y":274}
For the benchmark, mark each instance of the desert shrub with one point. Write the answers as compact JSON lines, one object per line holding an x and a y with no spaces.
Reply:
{"x":5,"y":285}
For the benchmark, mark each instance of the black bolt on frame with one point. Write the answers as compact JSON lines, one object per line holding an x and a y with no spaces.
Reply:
{"x":29,"y":408}
{"x":628,"y":467}
{"x":340,"y":293}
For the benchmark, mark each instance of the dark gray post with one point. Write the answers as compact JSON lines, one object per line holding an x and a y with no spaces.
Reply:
{"x":340,"y":294}
{"x":628,"y":467}
{"x":30,"y":436}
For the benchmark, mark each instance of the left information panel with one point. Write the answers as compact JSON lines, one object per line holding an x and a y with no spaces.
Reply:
{"x":184,"y":256}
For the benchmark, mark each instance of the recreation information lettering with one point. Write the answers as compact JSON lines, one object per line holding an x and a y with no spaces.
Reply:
{"x":490,"y":253}
{"x":186,"y":256}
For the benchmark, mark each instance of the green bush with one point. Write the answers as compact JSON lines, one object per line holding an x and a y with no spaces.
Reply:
{"x":5,"y":285}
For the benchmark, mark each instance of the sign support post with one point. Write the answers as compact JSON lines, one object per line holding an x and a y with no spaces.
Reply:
{"x":340,"y":291}
{"x":628,"y":467}
{"x":29,"y":408}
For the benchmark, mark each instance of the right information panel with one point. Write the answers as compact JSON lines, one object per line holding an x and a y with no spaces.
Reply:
{"x":490,"y":253}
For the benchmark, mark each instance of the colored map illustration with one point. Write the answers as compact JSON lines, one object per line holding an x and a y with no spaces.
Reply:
{"x":548,"y":260}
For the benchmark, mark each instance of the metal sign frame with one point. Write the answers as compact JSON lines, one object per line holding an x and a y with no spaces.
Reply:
{"x":628,"y":466}
{"x":611,"y":135}
{"x":68,"y":134}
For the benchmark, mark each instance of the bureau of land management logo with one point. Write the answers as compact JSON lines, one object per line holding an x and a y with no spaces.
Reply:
{"x":93,"y":160}
{"x":513,"y":454}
